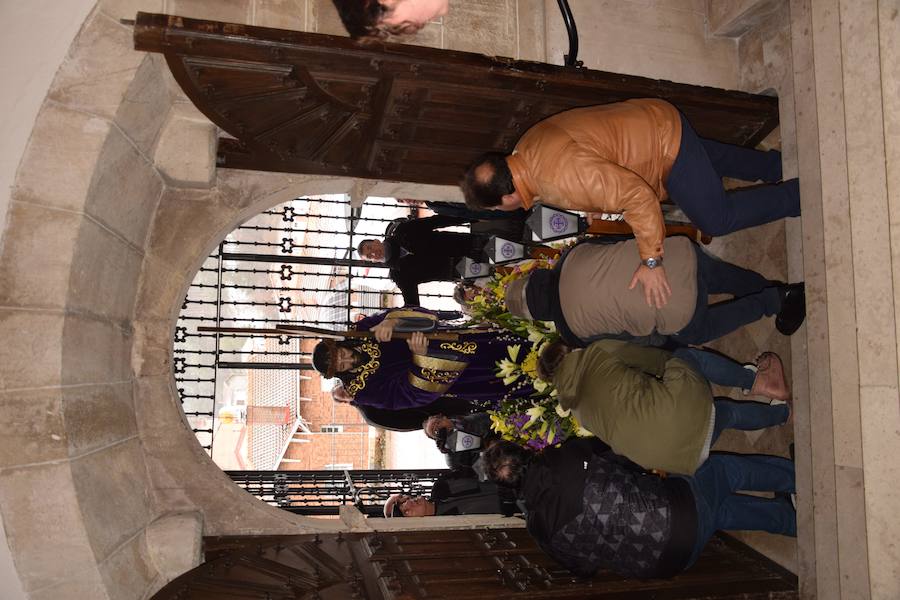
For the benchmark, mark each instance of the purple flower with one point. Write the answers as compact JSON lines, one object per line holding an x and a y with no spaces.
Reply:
{"x":518,"y":420}
{"x":537,"y":444}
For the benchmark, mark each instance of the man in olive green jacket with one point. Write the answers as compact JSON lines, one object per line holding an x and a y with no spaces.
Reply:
{"x":654,"y":407}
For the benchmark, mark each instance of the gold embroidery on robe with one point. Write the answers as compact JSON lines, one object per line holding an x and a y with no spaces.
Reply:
{"x":428,"y":386}
{"x":440,"y":376}
{"x":409,"y":314}
{"x":440,"y":364}
{"x":461,"y":347}
{"x":369,"y":367}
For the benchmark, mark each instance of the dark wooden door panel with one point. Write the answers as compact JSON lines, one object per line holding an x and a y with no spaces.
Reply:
{"x":451,"y":565}
{"x":318,"y":104}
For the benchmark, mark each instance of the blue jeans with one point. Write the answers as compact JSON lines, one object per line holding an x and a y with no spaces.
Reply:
{"x":754,"y":297}
{"x":733,"y":414}
{"x":695,"y":185}
{"x":746,"y":415}
{"x":719,"y":507}
{"x":717,"y":368}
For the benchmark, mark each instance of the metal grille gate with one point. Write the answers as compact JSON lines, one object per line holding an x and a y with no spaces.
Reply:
{"x":292,"y":263}
{"x":323,"y":492}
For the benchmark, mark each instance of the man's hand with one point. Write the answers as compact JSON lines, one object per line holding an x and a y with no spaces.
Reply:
{"x":655,"y":284}
{"x":418,"y":343}
{"x":384,"y":331}
{"x":340,"y":394}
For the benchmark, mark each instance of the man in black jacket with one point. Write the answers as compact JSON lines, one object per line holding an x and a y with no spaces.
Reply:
{"x":416,"y":252}
{"x":458,"y":492}
{"x":590,"y":509}
{"x":461,"y":439}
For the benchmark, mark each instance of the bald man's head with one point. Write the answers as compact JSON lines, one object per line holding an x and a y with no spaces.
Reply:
{"x":487,"y":180}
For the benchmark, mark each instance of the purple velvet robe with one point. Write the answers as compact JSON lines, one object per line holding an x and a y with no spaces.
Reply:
{"x":390,"y":387}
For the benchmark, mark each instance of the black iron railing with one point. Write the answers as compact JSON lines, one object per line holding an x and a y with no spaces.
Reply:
{"x":293,"y":263}
{"x":324,"y":492}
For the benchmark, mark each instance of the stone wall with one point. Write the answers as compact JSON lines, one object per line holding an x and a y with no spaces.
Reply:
{"x":661,"y":39}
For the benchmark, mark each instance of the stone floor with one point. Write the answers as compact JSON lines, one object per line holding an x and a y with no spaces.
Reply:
{"x":762,"y":249}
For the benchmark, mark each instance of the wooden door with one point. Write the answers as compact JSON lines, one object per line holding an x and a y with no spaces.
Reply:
{"x":320,"y":104}
{"x":485,"y":564}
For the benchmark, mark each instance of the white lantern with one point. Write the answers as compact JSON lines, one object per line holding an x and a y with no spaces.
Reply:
{"x":500,"y":251}
{"x":469,"y":269}
{"x":548,"y":224}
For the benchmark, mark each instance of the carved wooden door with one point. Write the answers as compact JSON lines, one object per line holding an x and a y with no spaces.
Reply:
{"x":319,"y":104}
{"x":450,"y":565}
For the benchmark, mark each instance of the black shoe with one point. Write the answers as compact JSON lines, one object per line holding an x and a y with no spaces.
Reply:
{"x":793,"y":308}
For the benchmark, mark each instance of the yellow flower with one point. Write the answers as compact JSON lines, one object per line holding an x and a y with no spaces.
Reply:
{"x":499,"y":424}
{"x":527,"y":265}
{"x":529,"y":365}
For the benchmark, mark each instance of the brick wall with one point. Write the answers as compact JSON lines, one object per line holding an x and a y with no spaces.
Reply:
{"x":320,"y":449}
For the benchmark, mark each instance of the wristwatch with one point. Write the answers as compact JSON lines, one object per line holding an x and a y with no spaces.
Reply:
{"x":652,"y":262}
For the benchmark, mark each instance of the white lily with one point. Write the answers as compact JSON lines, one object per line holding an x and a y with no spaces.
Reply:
{"x":514,"y":351}
{"x":563,"y":412}
{"x":582,"y":432}
{"x":551,"y":438}
{"x":534,"y":413}
{"x":535,"y":335}
{"x":506,"y":367}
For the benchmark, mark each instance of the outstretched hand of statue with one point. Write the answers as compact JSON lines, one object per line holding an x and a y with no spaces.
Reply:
{"x":418,"y":343}
{"x":384,"y":331}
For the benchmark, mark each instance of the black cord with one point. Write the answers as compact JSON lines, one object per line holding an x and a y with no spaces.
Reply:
{"x":570,"y":59}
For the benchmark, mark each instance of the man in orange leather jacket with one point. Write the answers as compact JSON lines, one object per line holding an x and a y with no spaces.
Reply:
{"x":627,"y":157}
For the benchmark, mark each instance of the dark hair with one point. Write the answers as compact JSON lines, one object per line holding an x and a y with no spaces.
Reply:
{"x":550,"y":359}
{"x":359,"y":246}
{"x":429,"y":417}
{"x":322,"y":358}
{"x":487,"y":180}
{"x":325,"y":355}
{"x":360,"y":17}
{"x":505,"y":463}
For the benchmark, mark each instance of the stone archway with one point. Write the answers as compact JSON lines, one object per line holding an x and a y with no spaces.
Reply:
{"x":104,"y":491}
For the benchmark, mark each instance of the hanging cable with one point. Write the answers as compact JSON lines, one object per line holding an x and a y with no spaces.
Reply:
{"x":570,"y":59}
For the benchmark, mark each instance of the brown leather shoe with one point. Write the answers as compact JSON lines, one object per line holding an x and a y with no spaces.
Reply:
{"x":770,"y":381}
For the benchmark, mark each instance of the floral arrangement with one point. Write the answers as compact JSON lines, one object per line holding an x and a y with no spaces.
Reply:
{"x":536,"y":421}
